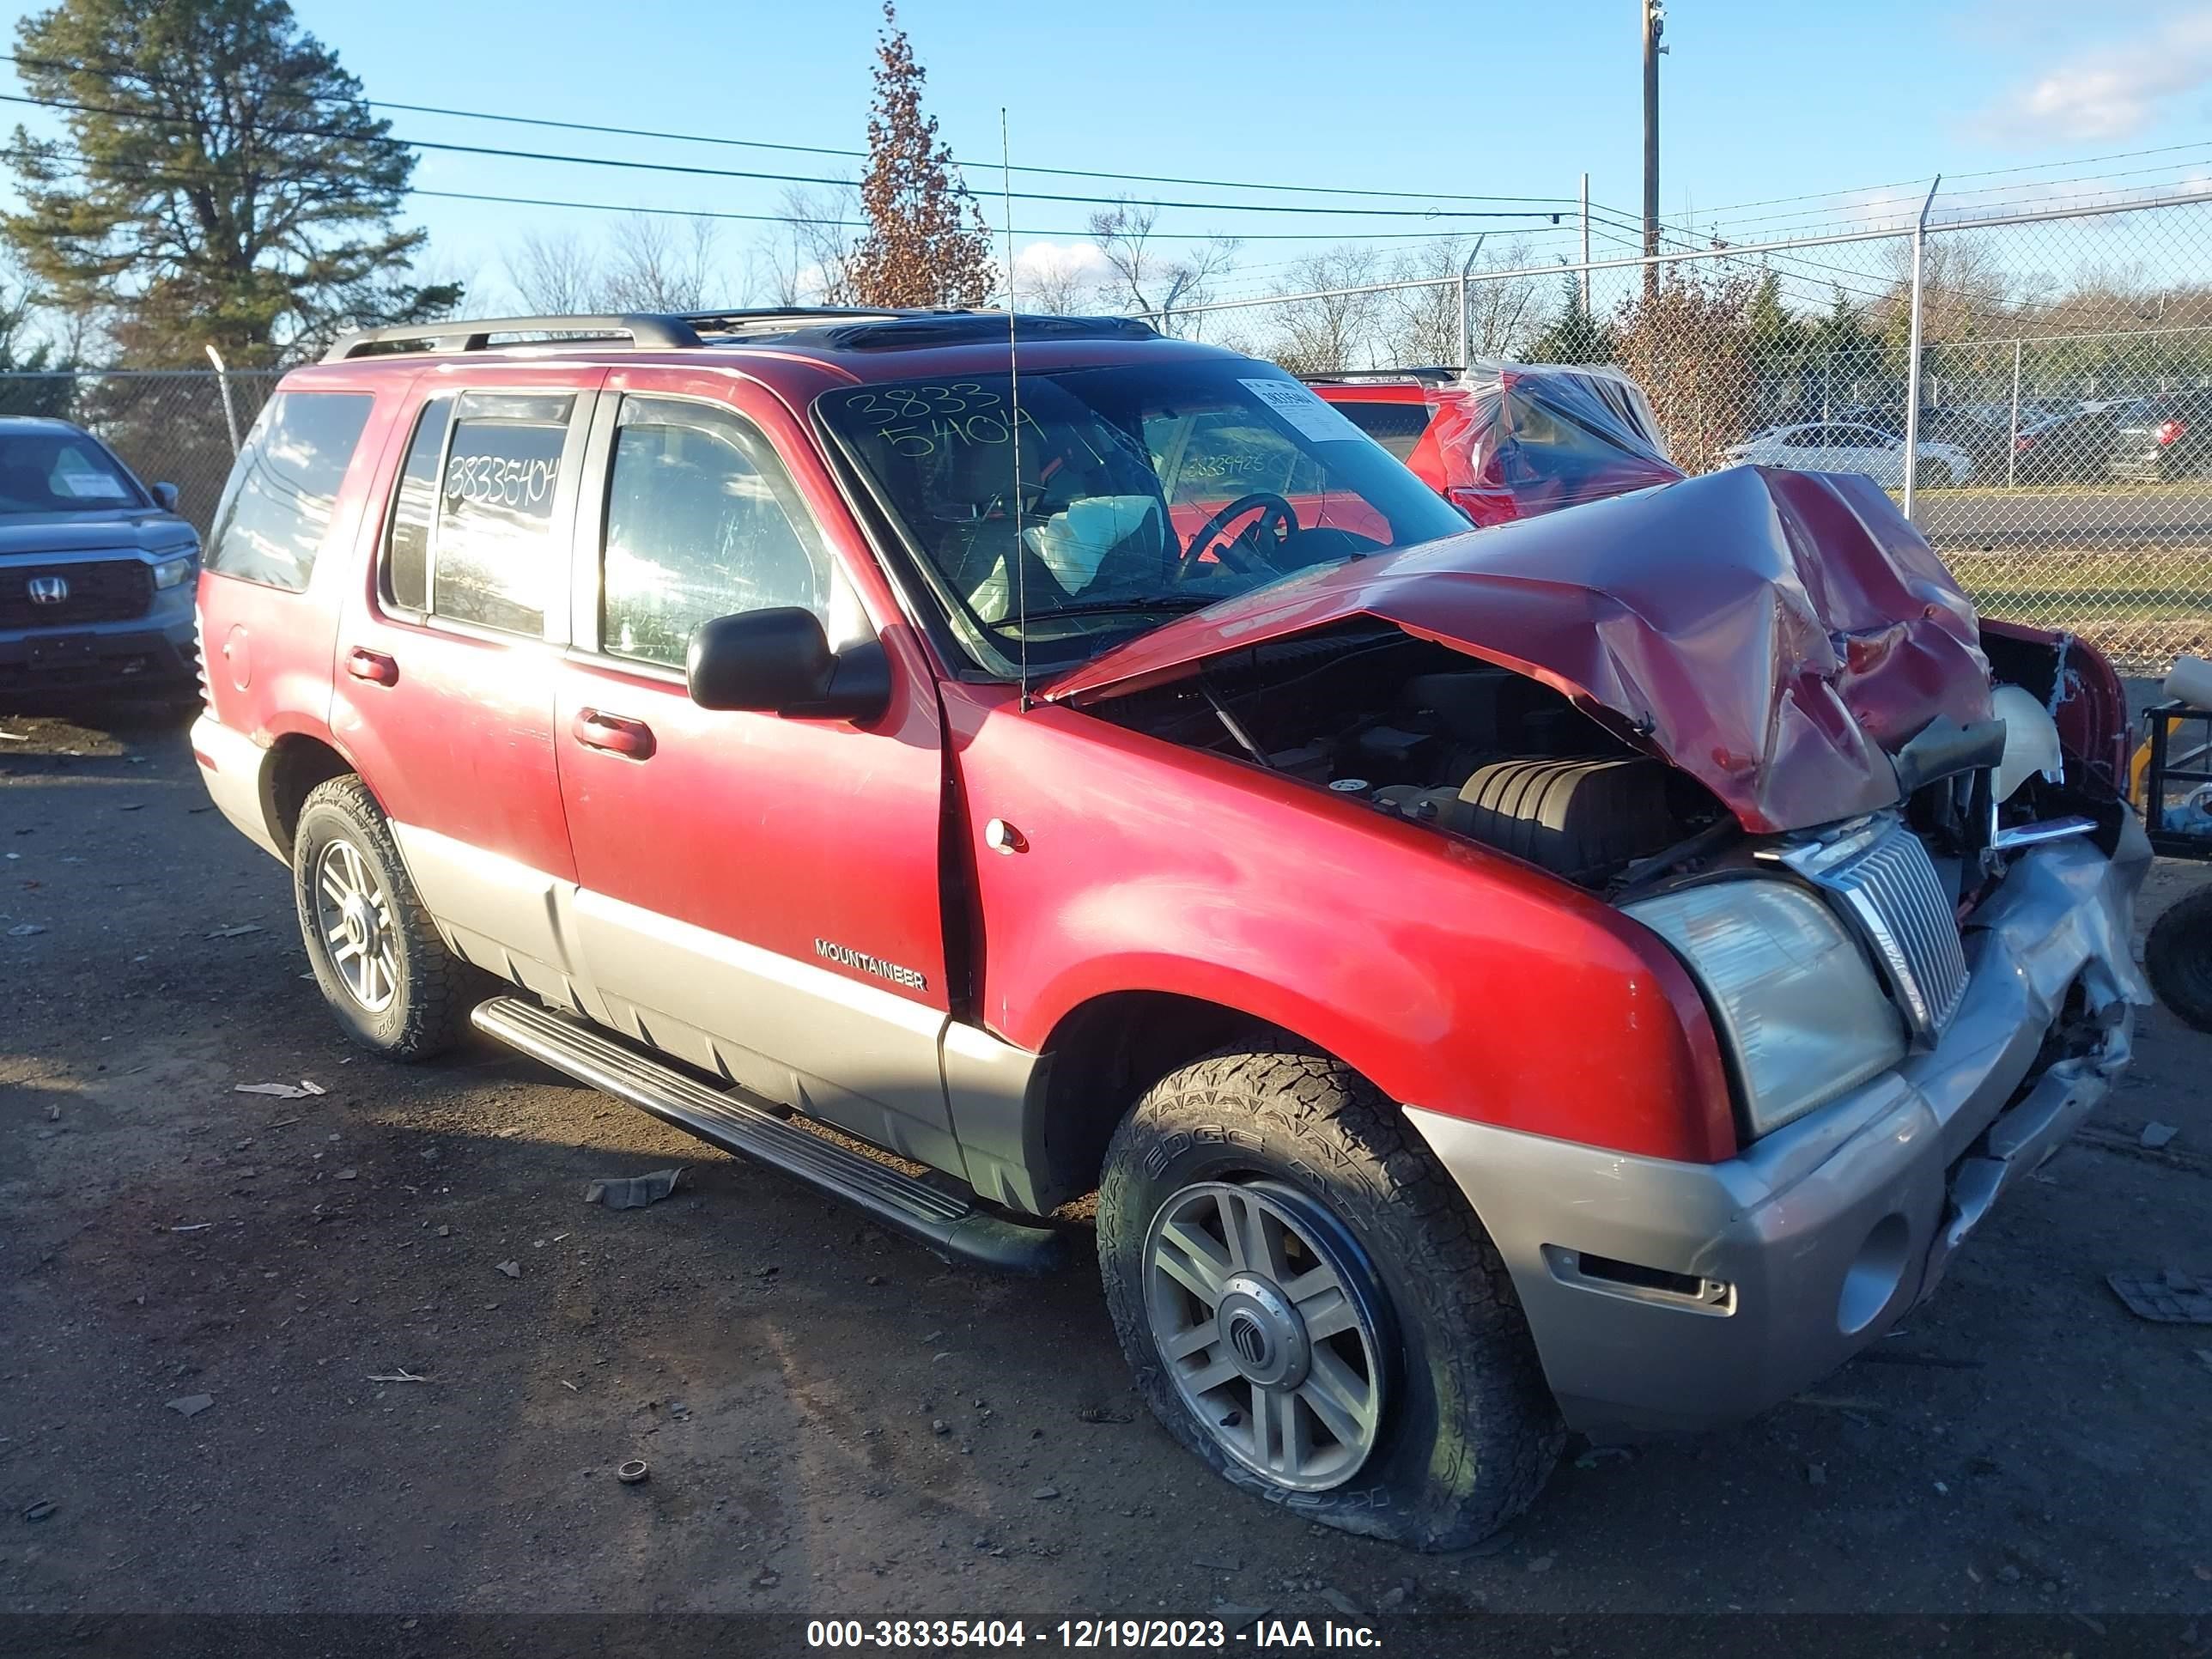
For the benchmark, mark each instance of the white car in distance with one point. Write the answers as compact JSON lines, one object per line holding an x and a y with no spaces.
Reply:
{"x":1847,"y":446}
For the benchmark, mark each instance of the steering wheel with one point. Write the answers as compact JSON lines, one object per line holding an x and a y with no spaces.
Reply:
{"x":1273,"y":510}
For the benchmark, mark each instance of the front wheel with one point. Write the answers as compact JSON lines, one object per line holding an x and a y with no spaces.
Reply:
{"x":1311,"y":1306}
{"x":385,"y":972}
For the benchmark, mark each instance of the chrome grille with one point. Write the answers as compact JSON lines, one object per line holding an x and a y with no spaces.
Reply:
{"x":1890,"y":890}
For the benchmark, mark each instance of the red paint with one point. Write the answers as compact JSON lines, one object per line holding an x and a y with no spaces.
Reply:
{"x":776,"y":832}
{"x":2091,"y":714}
{"x":1775,"y":635}
{"x":461,"y":740}
{"x":1456,"y":978}
{"x":1493,"y":444}
{"x":1780,"y":632}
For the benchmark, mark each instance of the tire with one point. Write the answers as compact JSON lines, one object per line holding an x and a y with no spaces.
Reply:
{"x":2178,"y":956}
{"x":415,"y":1002}
{"x":1466,"y":1431}
{"x":1934,"y":475}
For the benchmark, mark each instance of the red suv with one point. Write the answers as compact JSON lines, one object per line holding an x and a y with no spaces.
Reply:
{"x":1509,"y":440}
{"x":1590,"y":973}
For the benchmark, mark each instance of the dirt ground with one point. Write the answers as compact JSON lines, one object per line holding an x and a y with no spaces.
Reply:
{"x":837,"y":1423}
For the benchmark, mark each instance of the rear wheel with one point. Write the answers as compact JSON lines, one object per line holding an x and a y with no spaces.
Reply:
{"x":1311,"y":1306}
{"x":1934,"y":475}
{"x":2177,"y":956}
{"x":385,"y":972}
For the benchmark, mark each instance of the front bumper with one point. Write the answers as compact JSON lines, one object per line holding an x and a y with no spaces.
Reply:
{"x":1666,"y":1295}
{"x":157,"y":653}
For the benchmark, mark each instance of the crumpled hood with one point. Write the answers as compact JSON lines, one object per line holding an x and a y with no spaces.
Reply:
{"x":1777,"y":636}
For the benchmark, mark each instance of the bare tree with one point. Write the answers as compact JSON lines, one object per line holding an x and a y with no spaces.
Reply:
{"x":1421,"y":326}
{"x":556,"y":273}
{"x":1053,"y":281}
{"x":1967,"y":290}
{"x":660,"y":263}
{"x":809,"y":261}
{"x":1157,"y":287}
{"x":1333,"y":329}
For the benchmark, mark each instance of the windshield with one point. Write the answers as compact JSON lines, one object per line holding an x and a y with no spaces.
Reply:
{"x":1144,"y":491}
{"x":61,"y":472}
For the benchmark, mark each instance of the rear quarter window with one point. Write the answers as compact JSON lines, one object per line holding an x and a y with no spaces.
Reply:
{"x":276,"y":509}
{"x":1397,"y":427}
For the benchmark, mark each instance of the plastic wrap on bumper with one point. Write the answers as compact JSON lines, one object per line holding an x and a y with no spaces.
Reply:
{"x":1667,"y":1296}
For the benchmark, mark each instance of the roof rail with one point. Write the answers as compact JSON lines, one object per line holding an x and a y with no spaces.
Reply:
{"x":683,"y":331}
{"x":727,"y":322}
{"x":646,"y":331}
{"x":1435,"y":374}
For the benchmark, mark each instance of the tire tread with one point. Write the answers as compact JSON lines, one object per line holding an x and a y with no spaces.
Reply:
{"x":1354,"y":1140}
{"x":438,"y":988}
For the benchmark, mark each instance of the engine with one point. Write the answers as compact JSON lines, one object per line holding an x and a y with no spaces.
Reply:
{"x":1427,"y":734}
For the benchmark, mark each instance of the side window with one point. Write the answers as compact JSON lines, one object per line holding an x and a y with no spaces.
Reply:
{"x":496,"y":561}
{"x":1807,"y":437}
{"x":702,"y":522}
{"x":276,"y":508}
{"x":407,"y":543}
{"x":1397,"y":427}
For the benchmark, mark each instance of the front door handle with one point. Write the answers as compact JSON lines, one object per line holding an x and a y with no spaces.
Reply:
{"x":373,"y":665}
{"x":616,"y":733}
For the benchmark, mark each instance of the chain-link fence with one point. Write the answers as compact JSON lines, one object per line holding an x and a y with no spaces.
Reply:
{"x":169,"y":426}
{"x":2059,"y":400}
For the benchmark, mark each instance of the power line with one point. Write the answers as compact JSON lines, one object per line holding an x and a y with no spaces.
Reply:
{"x":112,"y":74}
{"x":1622,"y":221}
{"x":1986,"y":172}
{"x":153,"y":176}
{"x":688,"y":171}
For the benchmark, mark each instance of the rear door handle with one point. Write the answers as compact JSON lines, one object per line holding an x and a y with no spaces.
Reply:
{"x":365,"y":665}
{"x":616,"y":733}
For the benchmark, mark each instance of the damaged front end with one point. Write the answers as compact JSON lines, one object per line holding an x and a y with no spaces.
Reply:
{"x":1755,"y":712}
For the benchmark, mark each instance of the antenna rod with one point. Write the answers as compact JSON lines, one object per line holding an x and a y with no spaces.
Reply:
{"x":1014,"y":415}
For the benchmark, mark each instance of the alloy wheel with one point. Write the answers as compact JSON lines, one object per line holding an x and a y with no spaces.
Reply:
{"x":354,"y":916}
{"x":1269,"y":1319}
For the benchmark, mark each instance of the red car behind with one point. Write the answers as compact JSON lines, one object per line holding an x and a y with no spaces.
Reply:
{"x":1509,"y":440}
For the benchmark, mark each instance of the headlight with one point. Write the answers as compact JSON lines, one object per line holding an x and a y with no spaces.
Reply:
{"x":170,"y":572}
{"x":1797,"y":1004}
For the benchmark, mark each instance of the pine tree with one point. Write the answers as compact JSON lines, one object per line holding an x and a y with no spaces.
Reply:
{"x":223,"y":182}
{"x":927,"y":244}
{"x":1574,"y":336}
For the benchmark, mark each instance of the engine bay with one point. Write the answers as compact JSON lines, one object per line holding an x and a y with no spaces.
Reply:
{"x":1433,"y":736}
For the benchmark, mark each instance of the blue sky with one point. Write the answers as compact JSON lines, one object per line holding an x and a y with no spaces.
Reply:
{"x":1761,"y":100}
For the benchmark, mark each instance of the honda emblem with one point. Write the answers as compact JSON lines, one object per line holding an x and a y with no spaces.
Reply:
{"x":47,"y":590}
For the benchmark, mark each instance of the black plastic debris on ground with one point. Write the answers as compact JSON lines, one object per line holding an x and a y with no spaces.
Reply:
{"x":2169,"y":1297}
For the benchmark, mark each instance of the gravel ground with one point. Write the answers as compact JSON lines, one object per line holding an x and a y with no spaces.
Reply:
{"x":838,"y":1423}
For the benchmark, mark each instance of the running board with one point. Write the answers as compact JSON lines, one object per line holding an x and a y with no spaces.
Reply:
{"x":731,"y":1119}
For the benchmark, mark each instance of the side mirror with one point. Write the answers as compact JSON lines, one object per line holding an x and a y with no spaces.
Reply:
{"x":779,"y":661}
{"x":166,"y":495}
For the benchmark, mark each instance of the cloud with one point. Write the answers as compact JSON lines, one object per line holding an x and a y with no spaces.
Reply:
{"x":1049,"y":260}
{"x":2112,"y":91}
{"x":1059,"y":275}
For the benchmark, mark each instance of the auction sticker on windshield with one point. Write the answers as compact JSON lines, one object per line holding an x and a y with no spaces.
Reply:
{"x":1308,"y":415}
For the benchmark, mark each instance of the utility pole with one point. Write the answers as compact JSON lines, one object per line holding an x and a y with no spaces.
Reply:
{"x":1586,"y":270}
{"x":1653,"y":16}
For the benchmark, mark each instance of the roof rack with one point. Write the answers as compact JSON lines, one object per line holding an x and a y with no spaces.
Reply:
{"x":678,"y":331}
{"x":1436,"y":375}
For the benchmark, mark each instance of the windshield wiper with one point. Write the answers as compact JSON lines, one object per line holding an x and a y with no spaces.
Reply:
{"x":1116,"y":607}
